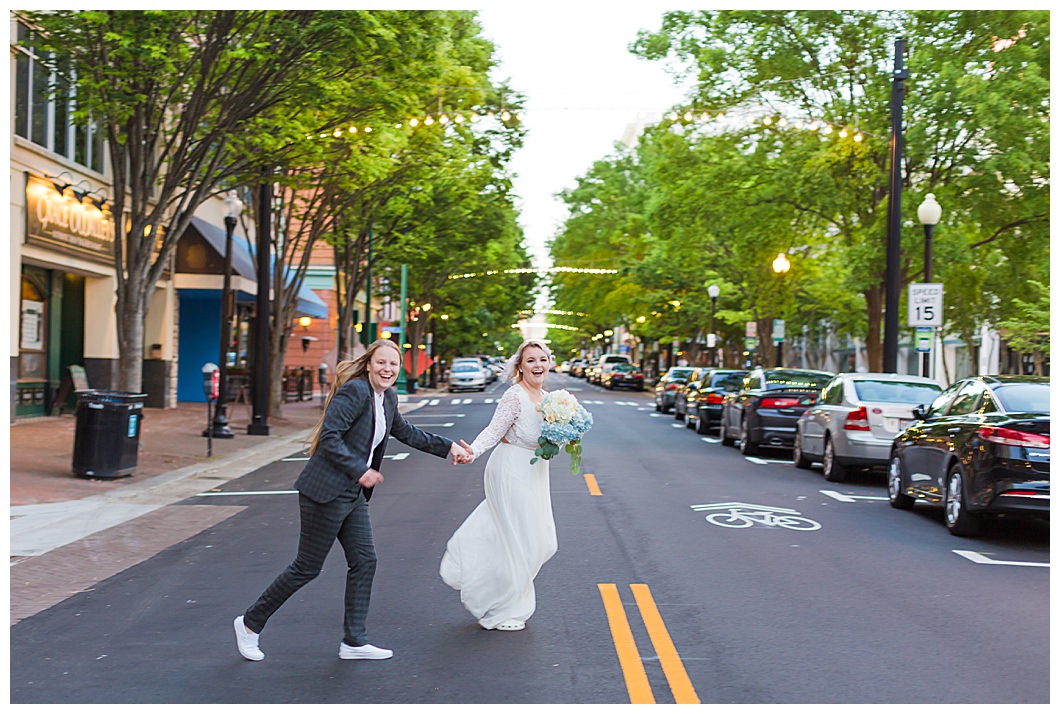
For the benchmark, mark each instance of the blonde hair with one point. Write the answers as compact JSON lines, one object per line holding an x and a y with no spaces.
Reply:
{"x":344,"y":372}
{"x":513,"y":374}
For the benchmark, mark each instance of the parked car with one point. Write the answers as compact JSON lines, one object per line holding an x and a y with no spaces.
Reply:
{"x":981,"y":448}
{"x":856,"y":419}
{"x":490,"y":370}
{"x":767,"y":406}
{"x":565,"y":366}
{"x":705,"y":398}
{"x":467,"y":374}
{"x":666,"y":387}
{"x":595,"y":374}
{"x":681,"y":393}
{"x":623,"y":375}
{"x":577,"y":367}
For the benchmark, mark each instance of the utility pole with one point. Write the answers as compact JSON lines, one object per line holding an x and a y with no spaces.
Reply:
{"x":894,"y":214}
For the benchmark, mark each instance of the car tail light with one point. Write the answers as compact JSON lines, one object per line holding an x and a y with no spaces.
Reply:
{"x":857,"y":420}
{"x":715,"y":398}
{"x":1011,"y":437}
{"x":672,"y":387}
{"x":779,"y":403}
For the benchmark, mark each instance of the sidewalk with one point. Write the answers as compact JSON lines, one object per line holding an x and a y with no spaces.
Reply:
{"x":68,"y":533}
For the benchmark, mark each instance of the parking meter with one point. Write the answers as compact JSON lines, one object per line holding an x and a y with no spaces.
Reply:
{"x":211,"y":384}
{"x":211,"y":381}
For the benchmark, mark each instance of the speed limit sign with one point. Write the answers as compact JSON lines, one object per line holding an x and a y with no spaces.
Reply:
{"x":925,"y":305}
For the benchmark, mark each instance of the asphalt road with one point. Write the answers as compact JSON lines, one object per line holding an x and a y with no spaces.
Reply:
{"x":646,"y":600}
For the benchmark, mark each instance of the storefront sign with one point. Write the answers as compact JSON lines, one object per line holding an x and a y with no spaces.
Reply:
{"x":68,"y":221}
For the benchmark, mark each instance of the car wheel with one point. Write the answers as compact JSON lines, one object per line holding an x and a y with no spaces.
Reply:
{"x":833,"y":470}
{"x":702,"y":425}
{"x":723,"y":434}
{"x":895,"y":486}
{"x":959,"y":519}
{"x":678,"y":416}
{"x":801,"y":462}
{"x":690,"y":421}
{"x":747,"y":446}
{"x":658,"y":407}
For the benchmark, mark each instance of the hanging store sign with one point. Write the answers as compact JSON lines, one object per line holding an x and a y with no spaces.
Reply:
{"x":68,"y":221}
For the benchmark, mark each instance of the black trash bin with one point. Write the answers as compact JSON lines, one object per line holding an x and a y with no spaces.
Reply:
{"x":107,"y":435}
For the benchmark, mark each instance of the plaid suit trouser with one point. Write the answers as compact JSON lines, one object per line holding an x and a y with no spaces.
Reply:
{"x":345,"y":518}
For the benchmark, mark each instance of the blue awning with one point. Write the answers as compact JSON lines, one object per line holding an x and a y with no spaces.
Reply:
{"x":309,"y":303}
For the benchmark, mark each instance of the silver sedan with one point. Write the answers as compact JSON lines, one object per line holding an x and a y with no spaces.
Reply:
{"x":856,"y":419}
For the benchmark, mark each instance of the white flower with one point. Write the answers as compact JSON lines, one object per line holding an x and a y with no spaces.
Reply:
{"x":560,"y":406}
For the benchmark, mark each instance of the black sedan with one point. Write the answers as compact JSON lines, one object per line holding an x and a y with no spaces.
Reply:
{"x":704,"y":399}
{"x":981,"y":448}
{"x":622,"y":375}
{"x":767,"y":407}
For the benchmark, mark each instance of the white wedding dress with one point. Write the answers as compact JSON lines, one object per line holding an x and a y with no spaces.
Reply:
{"x":494,"y":556}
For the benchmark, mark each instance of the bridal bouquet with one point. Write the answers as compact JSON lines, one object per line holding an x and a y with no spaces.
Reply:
{"x":565,"y":422}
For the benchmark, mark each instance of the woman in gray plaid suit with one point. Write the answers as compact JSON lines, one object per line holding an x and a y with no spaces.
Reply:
{"x":346,"y":452}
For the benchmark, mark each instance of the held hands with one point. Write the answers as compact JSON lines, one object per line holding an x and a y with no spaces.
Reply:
{"x":461,"y":453}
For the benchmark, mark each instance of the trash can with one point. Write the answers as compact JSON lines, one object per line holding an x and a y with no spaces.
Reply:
{"x":107,"y":433}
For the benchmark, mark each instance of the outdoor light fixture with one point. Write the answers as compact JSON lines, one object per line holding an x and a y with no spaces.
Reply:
{"x":712,"y":341}
{"x":929,"y":212}
{"x":781,"y":264}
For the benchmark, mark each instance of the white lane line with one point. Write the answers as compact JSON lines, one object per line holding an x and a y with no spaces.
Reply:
{"x":246,"y":493}
{"x":296,"y":458}
{"x":432,"y":416}
{"x":401,"y":456}
{"x":847,"y":498}
{"x":446,"y":424}
{"x":678,"y":426}
{"x":756,"y":460}
{"x":435,"y":402}
{"x":984,"y":560}
{"x":710,"y":440}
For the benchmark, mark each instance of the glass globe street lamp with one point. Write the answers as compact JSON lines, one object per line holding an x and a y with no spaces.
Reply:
{"x":781,"y":266}
{"x":219,"y":428}
{"x":929,"y":212}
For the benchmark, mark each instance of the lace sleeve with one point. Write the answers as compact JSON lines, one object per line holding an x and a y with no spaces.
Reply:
{"x":507,"y":412}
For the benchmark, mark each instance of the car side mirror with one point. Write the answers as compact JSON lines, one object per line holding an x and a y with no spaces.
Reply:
{"x":918,"y":411}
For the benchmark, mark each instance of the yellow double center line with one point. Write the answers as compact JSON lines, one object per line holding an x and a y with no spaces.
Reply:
{"x":628,"y":655}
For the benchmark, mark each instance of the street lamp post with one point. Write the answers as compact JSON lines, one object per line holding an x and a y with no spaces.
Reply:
{"x":781,"y":266}
{"x":259,"y":424}
{"x":713,"y":291}
{"x":929,"y":212}
{"x":219,"y":428}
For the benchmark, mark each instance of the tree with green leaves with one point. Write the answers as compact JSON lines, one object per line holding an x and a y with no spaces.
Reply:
{"x":977,"y":118}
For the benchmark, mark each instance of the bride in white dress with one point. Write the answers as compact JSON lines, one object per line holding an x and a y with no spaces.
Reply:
{"x":494,"y":556}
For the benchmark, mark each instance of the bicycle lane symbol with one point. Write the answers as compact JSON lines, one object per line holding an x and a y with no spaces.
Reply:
{"x":746,"y":515}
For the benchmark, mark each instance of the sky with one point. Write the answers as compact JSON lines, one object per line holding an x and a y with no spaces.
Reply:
{"x":583,"y":89}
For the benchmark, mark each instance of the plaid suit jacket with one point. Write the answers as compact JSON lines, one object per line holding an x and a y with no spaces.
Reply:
{"x":345,"y":441}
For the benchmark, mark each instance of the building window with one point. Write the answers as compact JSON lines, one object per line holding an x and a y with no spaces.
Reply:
{"x":44,"y":108}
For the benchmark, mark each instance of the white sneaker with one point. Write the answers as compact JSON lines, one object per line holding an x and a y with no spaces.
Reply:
{"x":364,"y":652}
{"x":247,"y":643}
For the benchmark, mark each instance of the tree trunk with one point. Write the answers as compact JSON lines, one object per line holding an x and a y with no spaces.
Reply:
{"x":873,"y":340}
{"x":130,"y":348}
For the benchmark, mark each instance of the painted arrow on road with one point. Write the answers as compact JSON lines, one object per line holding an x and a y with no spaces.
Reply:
{"x":847,"y":498}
